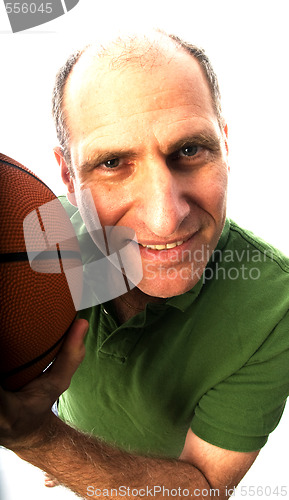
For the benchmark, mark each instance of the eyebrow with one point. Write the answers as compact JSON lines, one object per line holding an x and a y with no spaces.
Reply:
{"x":102,"y":157}
{"x":206,"y":139}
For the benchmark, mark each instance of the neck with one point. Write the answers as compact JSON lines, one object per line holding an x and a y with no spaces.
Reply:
{"x":131,"y":303}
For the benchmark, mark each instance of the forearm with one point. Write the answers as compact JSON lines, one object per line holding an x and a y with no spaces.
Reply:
{"x":91,"y":468}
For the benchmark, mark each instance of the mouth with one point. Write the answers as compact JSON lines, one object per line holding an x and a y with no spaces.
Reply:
{"x":166,"y":246}
{"x":167,"y":251}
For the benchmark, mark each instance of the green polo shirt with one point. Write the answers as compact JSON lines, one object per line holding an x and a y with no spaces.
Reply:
{"x":215,"y":359}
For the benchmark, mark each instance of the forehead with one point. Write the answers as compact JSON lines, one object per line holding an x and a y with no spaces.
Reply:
{"x":113,"y":91}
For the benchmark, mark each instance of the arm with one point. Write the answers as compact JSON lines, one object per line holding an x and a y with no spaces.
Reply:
{"x":87,"y":466}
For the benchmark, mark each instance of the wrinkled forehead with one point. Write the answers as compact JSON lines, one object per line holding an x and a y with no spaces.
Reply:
{"x":99,"y":66}
{"x":143,"y":52}
{"x":144,"y":81}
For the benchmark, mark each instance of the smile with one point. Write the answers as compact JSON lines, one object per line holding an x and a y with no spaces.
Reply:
{"x":164,"y":247}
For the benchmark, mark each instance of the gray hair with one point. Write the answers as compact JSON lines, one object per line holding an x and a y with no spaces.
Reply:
{"x":60,"y":118}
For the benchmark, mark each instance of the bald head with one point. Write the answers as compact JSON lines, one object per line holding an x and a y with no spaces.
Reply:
{"x":142,"y":52}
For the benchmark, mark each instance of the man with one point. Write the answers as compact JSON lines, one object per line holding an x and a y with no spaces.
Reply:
{"x":186,"y":374}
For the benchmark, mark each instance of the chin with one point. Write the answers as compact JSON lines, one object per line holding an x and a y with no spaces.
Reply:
{"x":167,"y":287}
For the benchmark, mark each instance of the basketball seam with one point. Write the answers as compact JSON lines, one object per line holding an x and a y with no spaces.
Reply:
{"x":18,"y":369}
{"x":23,"y":169}
{"x":43,"y":255}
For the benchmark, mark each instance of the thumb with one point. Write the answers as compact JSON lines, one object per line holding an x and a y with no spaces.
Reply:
{"x":70,"y":355}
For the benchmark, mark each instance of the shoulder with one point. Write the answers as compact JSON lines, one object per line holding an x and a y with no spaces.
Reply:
{"x":255,"y":245}
{"x":69,"y":208}
{"x":89,"y":251}
{"x":245,"y":261}
{"x":245,"y":291}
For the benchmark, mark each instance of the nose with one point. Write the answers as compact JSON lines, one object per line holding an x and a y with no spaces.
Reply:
{"x":162,"y":203}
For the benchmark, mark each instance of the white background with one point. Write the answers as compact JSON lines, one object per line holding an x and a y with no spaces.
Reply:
{"x":248,"y":43}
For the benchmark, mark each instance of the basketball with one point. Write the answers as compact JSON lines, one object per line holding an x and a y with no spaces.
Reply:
{"x":40,"y":273}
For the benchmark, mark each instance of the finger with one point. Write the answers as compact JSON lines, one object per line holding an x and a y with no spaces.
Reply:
{"x":70,"y":356}
{"x":5,"y":410}
{"x":50,"y":481}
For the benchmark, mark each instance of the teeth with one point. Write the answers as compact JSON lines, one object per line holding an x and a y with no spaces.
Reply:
{"x":164,"y":247}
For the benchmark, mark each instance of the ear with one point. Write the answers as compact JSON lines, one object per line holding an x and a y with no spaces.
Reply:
{"x":225,"y":131}
{"x":65,"y":175}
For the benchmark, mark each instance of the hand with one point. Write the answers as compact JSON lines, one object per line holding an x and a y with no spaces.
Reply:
{"x":24,"y":413}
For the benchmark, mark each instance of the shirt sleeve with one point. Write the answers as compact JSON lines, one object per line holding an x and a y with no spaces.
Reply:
{"x":240,"y":412}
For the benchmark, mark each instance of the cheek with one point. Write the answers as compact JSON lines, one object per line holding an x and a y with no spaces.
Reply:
{"x":211,"y":189}
{"x":109,"y":202}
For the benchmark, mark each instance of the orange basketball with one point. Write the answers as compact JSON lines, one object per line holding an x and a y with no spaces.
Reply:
{"x":38,"y":252}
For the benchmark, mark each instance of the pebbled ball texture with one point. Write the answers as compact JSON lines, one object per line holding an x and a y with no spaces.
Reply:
{"x":36,"y":304}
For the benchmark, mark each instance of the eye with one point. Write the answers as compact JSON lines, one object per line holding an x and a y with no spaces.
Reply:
{"x":113,"y":163}
{"x":189,"y":150}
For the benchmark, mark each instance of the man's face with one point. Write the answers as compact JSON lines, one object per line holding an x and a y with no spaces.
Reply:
{"x":146,"y":141}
